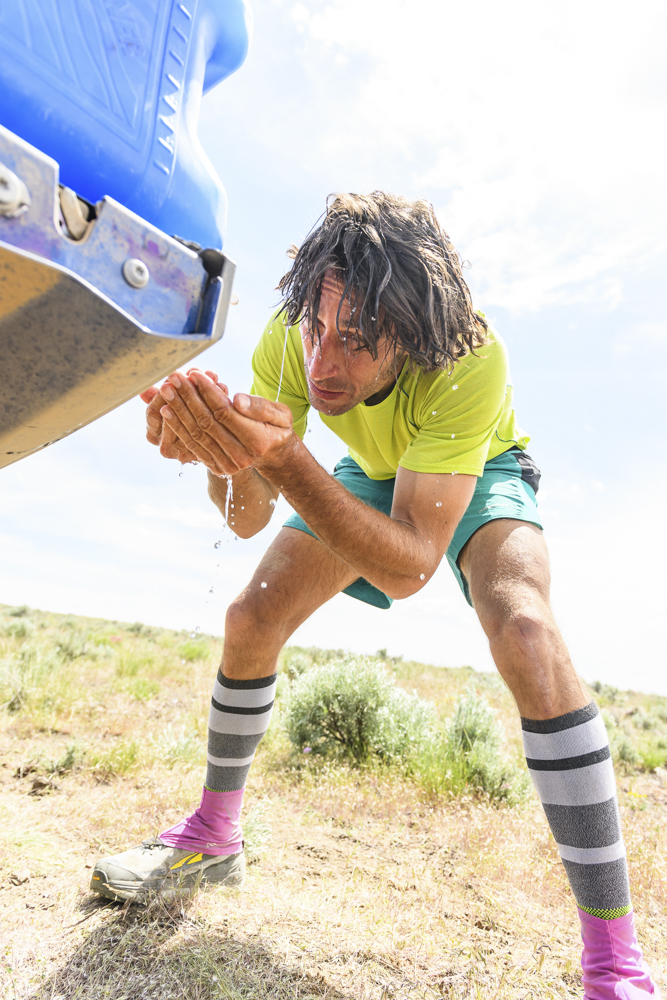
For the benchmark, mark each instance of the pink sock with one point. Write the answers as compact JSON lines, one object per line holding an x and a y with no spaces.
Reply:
{"x":612,"y":963}
{"x":213,"y":828}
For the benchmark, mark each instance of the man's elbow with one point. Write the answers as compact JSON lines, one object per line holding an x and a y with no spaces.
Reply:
{"x":246,"y":530}
{"x":398,"y":590}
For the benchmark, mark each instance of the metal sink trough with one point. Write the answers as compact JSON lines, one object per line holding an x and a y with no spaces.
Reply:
{"x":100,"y":164}
{"x":95,"y":303}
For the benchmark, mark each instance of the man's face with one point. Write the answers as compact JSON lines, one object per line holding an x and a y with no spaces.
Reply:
{"x":339,"y":374}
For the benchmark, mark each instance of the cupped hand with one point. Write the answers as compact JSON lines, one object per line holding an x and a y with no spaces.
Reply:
{"x":160,"y":434}
{"x":227,"y":435}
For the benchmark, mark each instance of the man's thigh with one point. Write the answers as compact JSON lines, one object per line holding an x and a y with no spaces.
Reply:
{"x":505,"y":562}
{"x":300,"y":574}
{"x":296,"y":576}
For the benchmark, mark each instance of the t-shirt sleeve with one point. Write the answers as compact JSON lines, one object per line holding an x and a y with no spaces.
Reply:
{"x":459,"y":414}
{"x":279,"y":349}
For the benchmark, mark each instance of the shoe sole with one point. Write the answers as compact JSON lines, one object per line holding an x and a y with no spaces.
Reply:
{"x":234,"y":876}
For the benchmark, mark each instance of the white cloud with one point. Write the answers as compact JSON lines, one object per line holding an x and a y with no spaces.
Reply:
{"x":538,"y":131}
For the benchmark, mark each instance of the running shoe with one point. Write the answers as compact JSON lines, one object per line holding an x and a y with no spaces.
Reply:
{"x":155,"y":868}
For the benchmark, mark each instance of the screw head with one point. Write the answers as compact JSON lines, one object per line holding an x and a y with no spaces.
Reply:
{"x":14,"y":196}
{"x":135,"y":272}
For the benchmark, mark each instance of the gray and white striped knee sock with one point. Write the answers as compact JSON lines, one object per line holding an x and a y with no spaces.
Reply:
{"x":239,"y":717}
{"x":571,"y":768}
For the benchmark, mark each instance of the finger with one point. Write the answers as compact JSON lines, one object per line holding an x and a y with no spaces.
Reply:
{"x":253,"y":407}
{"x":154,"y":420}
{"x":265,"y":410}
{"x":219,"y":419}
{"x":211,"y":374}
{"x":254,"y":433}
{"x":208,"y":453}
{"x":148,"y":394}
{"x":213,"y":377}
{"x":205,"y":427}
{"x":184,"y":400}
{"x":171,"y":445}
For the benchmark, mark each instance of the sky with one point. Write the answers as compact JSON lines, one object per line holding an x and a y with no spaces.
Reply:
{"x":537,"y":131}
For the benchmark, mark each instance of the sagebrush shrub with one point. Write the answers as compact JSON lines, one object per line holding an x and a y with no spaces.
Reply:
{"x":468,"y":756}
{"x":351,"y":708}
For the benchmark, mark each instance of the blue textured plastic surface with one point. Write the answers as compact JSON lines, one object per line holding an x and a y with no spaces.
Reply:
{"x":111,"y":89}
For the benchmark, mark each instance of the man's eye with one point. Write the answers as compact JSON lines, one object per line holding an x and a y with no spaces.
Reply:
{"x":353,"y":341}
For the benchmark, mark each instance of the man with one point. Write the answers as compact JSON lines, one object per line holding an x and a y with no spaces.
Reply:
{"x":377,"y":332}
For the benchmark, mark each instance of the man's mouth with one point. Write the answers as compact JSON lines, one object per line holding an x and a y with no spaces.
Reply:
{"x":324,"y":393}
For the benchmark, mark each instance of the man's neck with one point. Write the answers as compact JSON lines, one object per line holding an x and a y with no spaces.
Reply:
{"x":386,"y":389}
{"x":377,"y":397}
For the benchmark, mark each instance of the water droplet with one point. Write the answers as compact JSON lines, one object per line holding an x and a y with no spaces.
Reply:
{"x":232,"y":506}
{"x":197,"y":628}
{"x":453,"y":435}
{"x":455,"y":472}
{"x":263,"y":585}
{"x":455,"y":387}
{"x":211,"y":590}
{"x":182,"y":661}
{"x":422,"y":576}
{"x":193,"y":635}
{"x":242,"y":508}
{"x":272,"y":502}
{"x":433,"y":412}
{"x":180,"y":474}
{"x":217,"y":546}
{"x":438,"y":504}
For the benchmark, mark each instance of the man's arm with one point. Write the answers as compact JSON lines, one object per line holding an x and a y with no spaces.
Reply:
{"x":251,"y":502}
{"x":397,"y":554}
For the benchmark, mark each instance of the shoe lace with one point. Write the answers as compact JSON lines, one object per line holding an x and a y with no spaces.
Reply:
{"x":148,"y":845}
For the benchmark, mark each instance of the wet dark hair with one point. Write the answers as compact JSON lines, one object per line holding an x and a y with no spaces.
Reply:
{"x":401,"y":275}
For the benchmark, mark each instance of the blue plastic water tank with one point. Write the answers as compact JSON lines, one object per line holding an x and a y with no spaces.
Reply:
{"x":111,"y":89}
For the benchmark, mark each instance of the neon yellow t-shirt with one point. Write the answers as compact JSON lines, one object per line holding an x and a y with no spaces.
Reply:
{"x":448,"y":422}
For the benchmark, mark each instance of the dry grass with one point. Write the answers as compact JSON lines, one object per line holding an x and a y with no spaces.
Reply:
{"x":370,"y":888}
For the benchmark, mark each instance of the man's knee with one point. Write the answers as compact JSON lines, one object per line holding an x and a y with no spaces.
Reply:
{"x":518,"y":626}
{"x":254,"y":614}
{"x":516,"y":615}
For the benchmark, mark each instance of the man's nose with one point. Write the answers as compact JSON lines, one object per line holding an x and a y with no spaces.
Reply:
{"x":324,"y":361}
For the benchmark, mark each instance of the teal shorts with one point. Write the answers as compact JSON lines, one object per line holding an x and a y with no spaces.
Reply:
{"x":506,"y":489}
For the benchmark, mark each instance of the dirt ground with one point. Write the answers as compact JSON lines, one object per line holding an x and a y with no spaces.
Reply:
{"x":366,"y":890}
